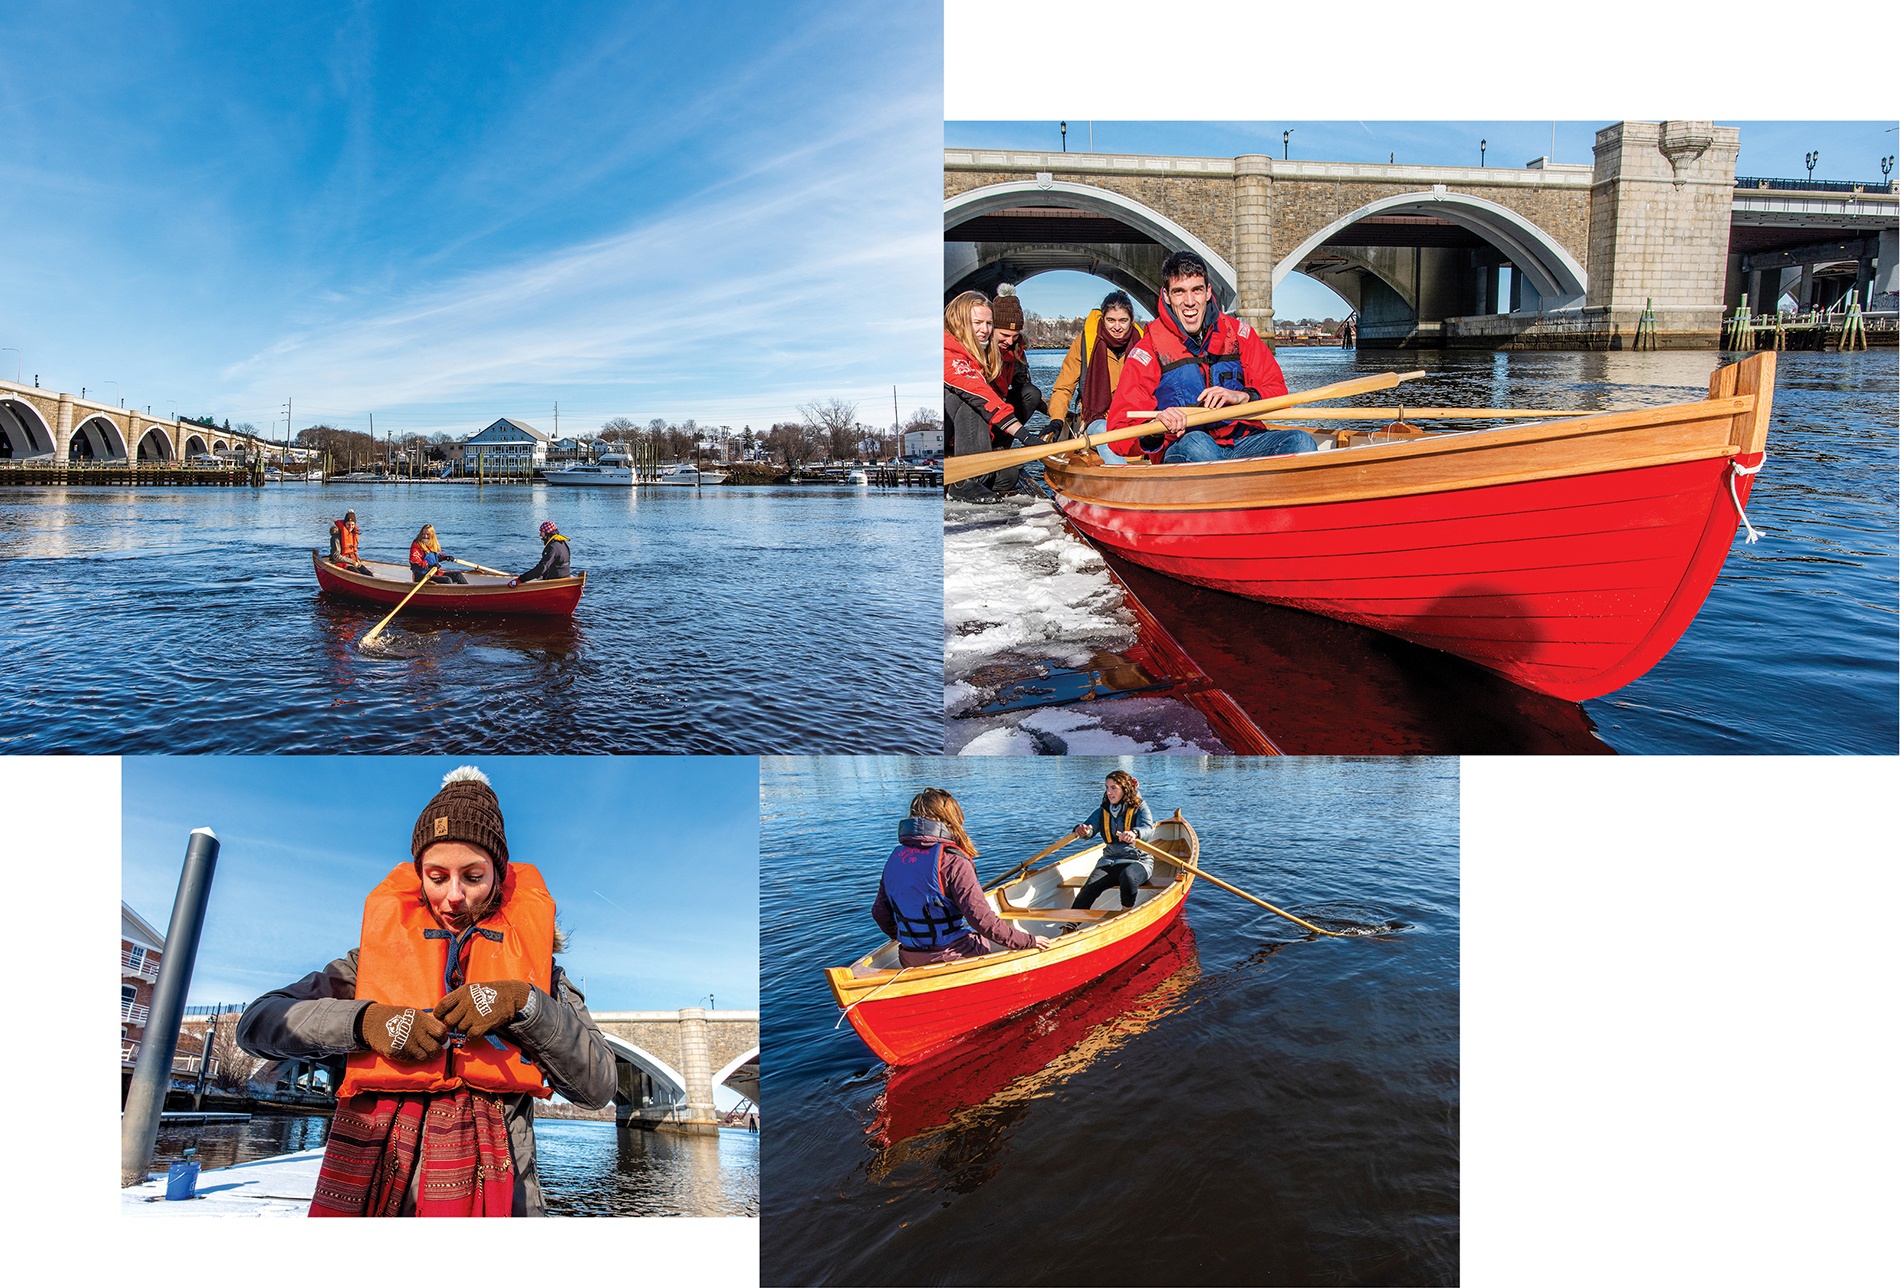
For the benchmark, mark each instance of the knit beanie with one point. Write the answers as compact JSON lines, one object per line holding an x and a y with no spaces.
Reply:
{"x":464,"y":810}
{"x":1006,"y":311}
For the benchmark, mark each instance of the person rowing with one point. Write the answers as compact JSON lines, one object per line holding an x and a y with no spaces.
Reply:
{"x":1124,"y":819}
{"x":1193,"y":356}
{"x":425,"y":554}
{"x":929,"y":899}
{"x":555,"y":558}
{"x":344,"y":538}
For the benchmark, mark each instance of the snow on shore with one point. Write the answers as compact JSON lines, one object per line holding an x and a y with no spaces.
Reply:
{"x":1018,"y":590}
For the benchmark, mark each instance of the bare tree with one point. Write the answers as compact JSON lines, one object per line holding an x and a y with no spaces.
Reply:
{"x":619,"y":430}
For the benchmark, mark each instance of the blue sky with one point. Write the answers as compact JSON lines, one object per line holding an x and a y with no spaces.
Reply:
{"x":652,"y":861}
{"x":1850,"y":150}
{"x":442,"y":214}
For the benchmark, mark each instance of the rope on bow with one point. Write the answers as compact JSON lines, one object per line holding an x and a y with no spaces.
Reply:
{"x":1736,"y":471}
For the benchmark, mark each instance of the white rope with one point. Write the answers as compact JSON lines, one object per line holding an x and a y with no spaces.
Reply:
{"x":868,"y":996}
{"x":1735,"y":471}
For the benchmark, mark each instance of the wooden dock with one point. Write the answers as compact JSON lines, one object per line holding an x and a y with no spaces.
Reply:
{"x":120,"y":474}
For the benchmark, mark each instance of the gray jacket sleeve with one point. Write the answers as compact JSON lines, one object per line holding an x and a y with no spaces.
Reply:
{"x":1145,"y":822}
{"x":311,"y":1019}
{"x":566,"y":1043}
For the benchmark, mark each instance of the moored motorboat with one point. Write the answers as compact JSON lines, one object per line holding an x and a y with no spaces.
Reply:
{"x":611,"y":470}
{"x":905,"y":1013}
{"x":686,"y":474}
{"x":482,"y":594}
{"x":1568,"y":555}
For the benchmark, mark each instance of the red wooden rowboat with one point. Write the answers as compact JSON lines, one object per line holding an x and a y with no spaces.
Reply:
{"x":1569,"y":556}
{"x":483,"y":594}
{"x":903,"y":1014}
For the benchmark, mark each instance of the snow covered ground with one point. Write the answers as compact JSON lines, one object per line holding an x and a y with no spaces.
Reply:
{"x":279,"y":1186}
{"x":1019,"y":590}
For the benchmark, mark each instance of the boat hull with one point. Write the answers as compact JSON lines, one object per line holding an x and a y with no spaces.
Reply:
{"x":1567,"y":557}
{"x":488,"y":595}
{"x":905,"y":1016}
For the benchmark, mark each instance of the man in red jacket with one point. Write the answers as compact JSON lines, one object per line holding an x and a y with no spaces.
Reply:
{"x":1196,"y":356}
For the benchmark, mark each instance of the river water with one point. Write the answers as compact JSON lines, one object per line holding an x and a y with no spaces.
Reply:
{"x":729,"y":620}
{"x":586,"y":1168}
{"x":1794,"y":651}
{"x":1237,"y":1104}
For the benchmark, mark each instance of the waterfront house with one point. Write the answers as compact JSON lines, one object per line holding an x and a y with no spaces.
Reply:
{"x":505,"y":445}
{"x":140,"y":947}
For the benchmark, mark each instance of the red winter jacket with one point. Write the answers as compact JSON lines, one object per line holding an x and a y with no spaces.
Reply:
{"x":964,"y":374}
{"x":1163,"y":350}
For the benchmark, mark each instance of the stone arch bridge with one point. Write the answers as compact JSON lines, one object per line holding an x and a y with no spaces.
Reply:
{"x":48,"y":425}
{"x":1421,"y":252}
{"x":669,"y":1062}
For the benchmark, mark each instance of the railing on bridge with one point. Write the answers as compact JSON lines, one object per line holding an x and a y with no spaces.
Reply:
{"x":1756,"y":184}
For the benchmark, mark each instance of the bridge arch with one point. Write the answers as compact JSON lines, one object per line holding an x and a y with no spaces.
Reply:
{"x":1130,"y":271}
{"x":1550,"y":269}
{"x":97,"y":438}
{"x":195,"y":446}
{"x":23,"y":431}
{"x":155,"y":444}
{"x":648,"y":1063}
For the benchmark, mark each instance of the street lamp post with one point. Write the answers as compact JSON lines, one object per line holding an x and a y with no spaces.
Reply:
{"x":1065,"y":136}
{"x":1812,"y":157}
{"x":1286,"y":144}
{"x":1886,"y":168}
{"x":1482,"y":144}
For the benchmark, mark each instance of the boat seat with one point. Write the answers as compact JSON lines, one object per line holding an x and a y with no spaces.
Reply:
{"x":1076,"y":883}
{"x":1053,"y":914}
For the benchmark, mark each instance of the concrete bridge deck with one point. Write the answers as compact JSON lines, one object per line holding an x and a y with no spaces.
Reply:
{"x":669,"y":1062}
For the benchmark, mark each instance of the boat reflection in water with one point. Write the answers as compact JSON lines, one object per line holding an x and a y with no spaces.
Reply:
{"x":943,"y":1123}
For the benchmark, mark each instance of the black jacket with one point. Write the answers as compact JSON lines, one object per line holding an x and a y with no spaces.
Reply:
{"x":554,"y":562}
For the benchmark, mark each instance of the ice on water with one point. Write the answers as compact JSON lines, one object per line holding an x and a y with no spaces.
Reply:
{"x":1019,"y":589}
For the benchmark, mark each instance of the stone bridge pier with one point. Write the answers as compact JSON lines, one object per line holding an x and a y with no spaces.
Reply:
{"x":670,"y":1061}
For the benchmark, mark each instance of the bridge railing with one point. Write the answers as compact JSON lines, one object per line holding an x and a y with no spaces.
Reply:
{"x":1754,"y":183}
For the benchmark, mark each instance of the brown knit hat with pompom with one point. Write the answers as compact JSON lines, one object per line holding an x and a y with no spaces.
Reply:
{"x":1006,"y":311}
{"x":464,"y":810}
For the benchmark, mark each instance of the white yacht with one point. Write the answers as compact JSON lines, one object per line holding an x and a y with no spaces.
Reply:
{"x":857,"y":477}
{"x":611,"y":470}
{"x":686,"y":474}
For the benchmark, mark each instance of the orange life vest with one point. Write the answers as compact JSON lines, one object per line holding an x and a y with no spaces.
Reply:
{"x":404,"y":959}
{"x":346,"y":537}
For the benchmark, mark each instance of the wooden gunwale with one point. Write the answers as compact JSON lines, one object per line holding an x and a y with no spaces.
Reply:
{"x":1440,"y":463}
{"x":848,"y":988}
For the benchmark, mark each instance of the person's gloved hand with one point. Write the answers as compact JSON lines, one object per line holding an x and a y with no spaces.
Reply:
{"x":401,"y":1032}
{"x":514,"y":581}
{"x":1056,"y":429}
{"x":480,"y":1007}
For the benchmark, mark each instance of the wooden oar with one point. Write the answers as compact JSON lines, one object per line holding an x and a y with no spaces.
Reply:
{"x":1030,"y":861}
{"x":1394,"y":413}
{"x":1185,"y":866}
{"x":377,"y":629}
{"x":958,"y":468}
{"x":492,"y":572}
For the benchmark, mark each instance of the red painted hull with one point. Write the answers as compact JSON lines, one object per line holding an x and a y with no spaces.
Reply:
{"x":1567,"y":556}
{"x":535,"y":599}
{"x":1571,"y":586}
{"x":903,"y":1030}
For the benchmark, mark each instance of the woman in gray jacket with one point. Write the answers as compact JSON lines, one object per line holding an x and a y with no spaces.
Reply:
{"x":436,"y":1113}
{"x":1123,"y":818}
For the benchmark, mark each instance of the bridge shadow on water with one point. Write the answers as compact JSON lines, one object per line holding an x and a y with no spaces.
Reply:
{"x":1316,"y":686}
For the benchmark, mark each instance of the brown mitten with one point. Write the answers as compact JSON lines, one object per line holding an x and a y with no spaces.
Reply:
{"x":401,"y":1032}
{"x":479,"y":1008}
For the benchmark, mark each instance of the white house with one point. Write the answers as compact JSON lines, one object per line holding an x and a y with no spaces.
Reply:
{"x":923,"y":442}
{"x":506,"y":444}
